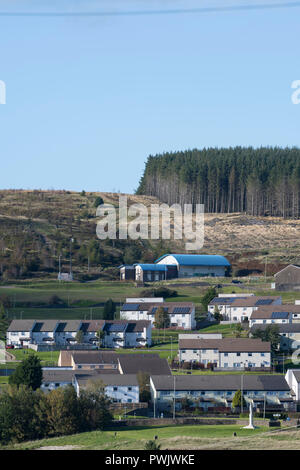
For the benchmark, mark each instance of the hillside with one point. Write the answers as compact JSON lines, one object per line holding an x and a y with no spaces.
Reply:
{"x":36,"y":227}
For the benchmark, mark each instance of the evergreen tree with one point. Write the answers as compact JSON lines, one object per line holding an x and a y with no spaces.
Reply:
{"x":28,"y":373}
{"x":109,"y":310}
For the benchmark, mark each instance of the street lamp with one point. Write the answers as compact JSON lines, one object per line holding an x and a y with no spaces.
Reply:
{"x":71,"y":241}
{"x":174,"y":404}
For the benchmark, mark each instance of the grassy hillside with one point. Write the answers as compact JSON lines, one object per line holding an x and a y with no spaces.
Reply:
{"x":36,"y":227}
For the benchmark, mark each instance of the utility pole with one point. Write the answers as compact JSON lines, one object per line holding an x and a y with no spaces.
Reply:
{"x":242,"y":397}
{"x":174,"y":407}
{"x":71,"y":241}
{"x":266,"y":262}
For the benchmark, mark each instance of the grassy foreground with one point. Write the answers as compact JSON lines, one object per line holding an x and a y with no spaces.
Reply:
{"x":218,"y":437}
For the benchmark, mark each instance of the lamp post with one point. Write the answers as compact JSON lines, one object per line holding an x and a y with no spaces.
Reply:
{"x":71,"y":241}
{"x":174,"y":402}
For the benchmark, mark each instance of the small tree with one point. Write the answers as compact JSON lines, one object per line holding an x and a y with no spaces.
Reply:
{"x":152,"y":445}
{"x":28,"y":373}
{"x":237,"y":400}
{"x":109,"y":310}
{"x":100,"y":335}
{"x":217,"y":315}
{"x":143,"y":380}
{"x":238,"y":329}
{"x":161,"y":318}
{"x":79,"y":337}
{"x":208,"y":296}
{"x":98,"y":201}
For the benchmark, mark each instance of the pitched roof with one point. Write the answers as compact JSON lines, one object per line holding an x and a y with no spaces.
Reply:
{"x":94,"y":357}
{"x":197,"y":260}
{"x":215,"y":382}
{"x":268,"y":311}
{"x":45,"y":325}
{"x":254,"y":301}
{"x":282,"y":327}
{"x":59,"y":375}
{"x":107,"y":379}
{"x":227,"y":344}
{"x":149,"y":363}
{"x":92,"y":325}
{"x":21,"y":325}
{"x":68,"y":325}
{"x":150,"y":308}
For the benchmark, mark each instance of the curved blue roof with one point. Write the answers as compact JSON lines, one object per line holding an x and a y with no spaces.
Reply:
{"x":198,"y":260}
{"x":152,"y":267}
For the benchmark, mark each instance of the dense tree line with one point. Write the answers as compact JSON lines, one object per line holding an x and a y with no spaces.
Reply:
{"x":263,"y":181}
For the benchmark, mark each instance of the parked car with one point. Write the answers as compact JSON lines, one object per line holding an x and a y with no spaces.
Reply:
{"x":9,"y":346}
{"x":236,"y":281}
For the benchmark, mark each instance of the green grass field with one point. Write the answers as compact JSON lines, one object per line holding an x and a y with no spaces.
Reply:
{"x":136,"y":437}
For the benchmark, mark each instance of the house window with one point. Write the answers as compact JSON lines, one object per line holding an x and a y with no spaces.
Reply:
{"x":238,"y":354}
{"x":115,"y":389}
{"x":249,"y":354}
{"x":129,"y":400}
{"x":129,"y":389}
{"x":226,"y":354}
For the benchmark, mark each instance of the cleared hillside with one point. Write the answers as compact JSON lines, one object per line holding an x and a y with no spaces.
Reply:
{"x":36,"y":227}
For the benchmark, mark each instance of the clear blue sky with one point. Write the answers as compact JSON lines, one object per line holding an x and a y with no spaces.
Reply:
{"x":89,"y":98}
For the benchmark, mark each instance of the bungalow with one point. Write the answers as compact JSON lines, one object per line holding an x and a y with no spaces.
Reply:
{"x":226,"y":353}
{"x":208,"y":392}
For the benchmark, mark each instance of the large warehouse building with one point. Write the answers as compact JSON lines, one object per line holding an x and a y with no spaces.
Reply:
{"x":196,"y":265}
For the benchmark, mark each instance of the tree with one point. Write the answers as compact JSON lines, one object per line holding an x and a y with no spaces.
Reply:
{"x":28,"y":373}
{"x":152,"y":445}
{"x":109,"y":310}
{"x":238,"y":329}
{"x":100,"y":335}
{"x":161,"y":318}
{"x":144,"y":386}
{"x":270,"y":333}
{"x":98,"y":201}
{"x":217,"y":315}
{"x":19,"y":414}
{"x":210,"y":294}
{"x":62,"y":411}
{"x":79,"y":337}
{"x":237,"y":400}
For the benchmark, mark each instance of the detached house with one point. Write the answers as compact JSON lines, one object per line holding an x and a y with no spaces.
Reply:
{"x":226,"y":353}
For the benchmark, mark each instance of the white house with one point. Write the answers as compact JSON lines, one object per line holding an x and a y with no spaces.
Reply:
{"x":226,"y":353}
{"x":240,"y":309}
{"x":62,"y":333}
{"x":55,"y":377}
{"x":182,"y":314}
{"x":293,"y":379}
{"x":210,"y":392}
{"x":189,"y":265}
{"x":223,"y":302}
{"x":19,"y":332}
{"x":119,"y":388}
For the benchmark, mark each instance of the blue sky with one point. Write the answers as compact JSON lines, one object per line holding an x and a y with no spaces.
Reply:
{"x":89,"y":98}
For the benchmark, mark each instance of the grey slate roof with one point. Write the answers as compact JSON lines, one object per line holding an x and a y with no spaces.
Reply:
{"x":282,"y":327}
{"x":227,"y":344}
{"x":68,"y":325}
{"x":94,"y":357}
{"x":149,"y":363}
{"x":107,"y":379}
{"x":44,"y":325}
{"x":21,"y":325}
{"x":217,"y":382}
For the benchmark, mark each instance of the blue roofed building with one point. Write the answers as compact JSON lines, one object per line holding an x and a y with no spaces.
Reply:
{"x":189,"y":265}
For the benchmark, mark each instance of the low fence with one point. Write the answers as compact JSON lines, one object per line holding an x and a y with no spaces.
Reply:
{"x":189,"y":421}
